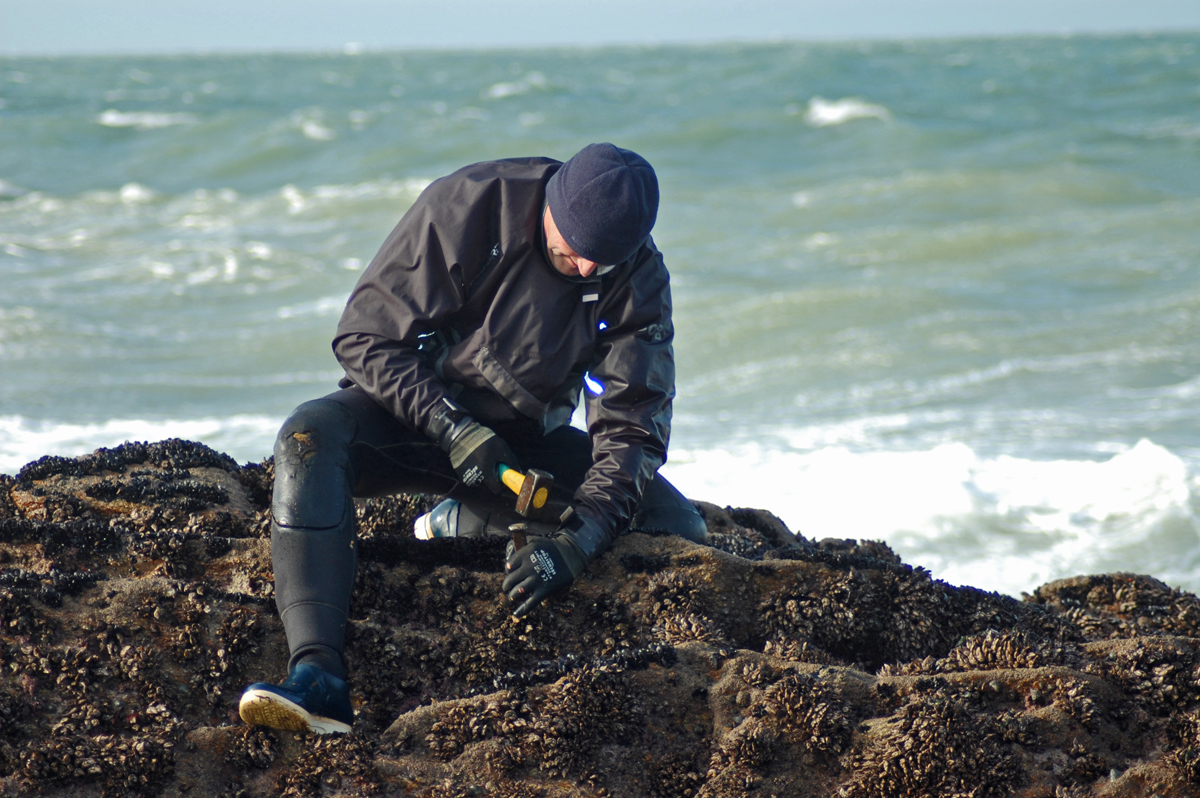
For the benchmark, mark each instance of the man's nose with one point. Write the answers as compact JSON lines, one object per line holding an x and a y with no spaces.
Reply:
{"x":585,"y":267}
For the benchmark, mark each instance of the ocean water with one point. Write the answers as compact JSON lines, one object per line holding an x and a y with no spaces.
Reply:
{"x":939,"y":293}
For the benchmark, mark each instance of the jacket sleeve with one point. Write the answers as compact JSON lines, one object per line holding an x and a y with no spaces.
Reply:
{"x":630,"y":419}
{"x":410,"y":289}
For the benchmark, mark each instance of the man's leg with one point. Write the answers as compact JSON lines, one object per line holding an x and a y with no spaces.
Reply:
{"x":328,"y":450}
{"x":313,"y":554}
{"x":313,"y":547}
{"x":664,"y":509}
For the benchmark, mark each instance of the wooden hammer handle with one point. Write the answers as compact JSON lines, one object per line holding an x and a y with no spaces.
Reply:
{"x":512,"y":478}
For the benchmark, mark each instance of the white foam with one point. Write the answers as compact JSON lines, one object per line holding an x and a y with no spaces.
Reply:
{"x":299,"y":200}
{"x":244,"y":437}
{"x":9,"y":190}
{"x":143,"y":120}
{"x":509,"y":89}
{"x":498,"y":91}
{"x":1004,"y":523}
{"x":311,"y":123}
{"x":135,"y":193}
{"x":822,"y":112}
{"x":325,"y":306}
{"x":316,"y":131}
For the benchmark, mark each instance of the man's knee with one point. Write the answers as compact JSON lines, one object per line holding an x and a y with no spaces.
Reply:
{"x":665,"y":509}
{"x":312,"y":465}
{"x":685,"y":522}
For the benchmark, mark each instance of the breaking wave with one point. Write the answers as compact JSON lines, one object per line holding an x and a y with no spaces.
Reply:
{"x":247,"y":438}
{"x":144,"y":120}
{"x":1003,"y":523}
{"x":823,"y":113}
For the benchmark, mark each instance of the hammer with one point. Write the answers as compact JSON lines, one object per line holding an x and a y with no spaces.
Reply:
{"x":532,"y":489}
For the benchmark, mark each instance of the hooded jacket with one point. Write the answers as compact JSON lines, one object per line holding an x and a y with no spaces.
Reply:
{"x":462,"y":303}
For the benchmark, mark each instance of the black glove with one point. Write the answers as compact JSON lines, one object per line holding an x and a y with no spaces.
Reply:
{"x":475,"y":450}
{"x":541,"y":567}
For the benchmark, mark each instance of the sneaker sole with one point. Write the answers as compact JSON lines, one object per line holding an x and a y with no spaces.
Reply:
{"x":422,"y":528}
{"x":263,"y":708}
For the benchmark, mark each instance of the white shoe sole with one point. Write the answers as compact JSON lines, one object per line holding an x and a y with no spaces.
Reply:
{"x":264,"y":708}
{"x":422,"y":528}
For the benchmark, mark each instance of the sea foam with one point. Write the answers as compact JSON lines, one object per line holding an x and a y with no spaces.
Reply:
{"x":1002,"y":523}
{"x":244,"y":437}
{"x":822,"y":112}
{"x":143,"y":120}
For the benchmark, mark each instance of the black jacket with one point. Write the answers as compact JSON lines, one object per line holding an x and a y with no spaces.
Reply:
{"x":461,"y":302}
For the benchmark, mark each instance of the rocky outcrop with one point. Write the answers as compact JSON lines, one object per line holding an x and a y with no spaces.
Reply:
{"x":136,"y":601}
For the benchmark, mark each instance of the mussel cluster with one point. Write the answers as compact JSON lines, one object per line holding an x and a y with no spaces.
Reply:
{"x":136,"y":600}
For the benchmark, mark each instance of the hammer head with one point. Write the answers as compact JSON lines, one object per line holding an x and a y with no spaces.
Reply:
{"x":535,"y":492}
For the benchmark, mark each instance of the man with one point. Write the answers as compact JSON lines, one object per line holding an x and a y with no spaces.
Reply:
{"x":466,"y":344}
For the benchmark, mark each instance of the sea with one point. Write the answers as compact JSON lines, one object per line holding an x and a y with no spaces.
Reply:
{"x":939,"y":293}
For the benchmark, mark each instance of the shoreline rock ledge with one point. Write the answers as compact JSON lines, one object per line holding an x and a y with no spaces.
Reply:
{"x":136,"y":601}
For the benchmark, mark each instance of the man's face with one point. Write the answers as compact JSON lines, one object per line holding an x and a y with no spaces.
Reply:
{"x":562,"y":257}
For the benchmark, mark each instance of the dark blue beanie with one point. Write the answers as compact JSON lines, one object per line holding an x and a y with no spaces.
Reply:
{"x":604,"y":201}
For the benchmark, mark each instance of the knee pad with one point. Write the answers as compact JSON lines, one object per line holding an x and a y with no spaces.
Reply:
{"x":313,"y":480}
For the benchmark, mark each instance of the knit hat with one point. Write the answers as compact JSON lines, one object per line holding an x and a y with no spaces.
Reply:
{"x":604,"y":201}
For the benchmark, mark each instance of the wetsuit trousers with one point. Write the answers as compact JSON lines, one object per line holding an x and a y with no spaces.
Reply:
{"x":346,"y":445}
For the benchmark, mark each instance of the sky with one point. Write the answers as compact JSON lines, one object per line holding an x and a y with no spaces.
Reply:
{"x":46,"y":27}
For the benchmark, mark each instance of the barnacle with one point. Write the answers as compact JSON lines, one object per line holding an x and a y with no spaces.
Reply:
{"x":1185,"y":754}
{"x":806,"y":713}
{"x":135,"y":602}
{"x":990,"y":651}
{"x":344,"y":764}
{"x":936,"y":744}
{"x":1121,"y":606}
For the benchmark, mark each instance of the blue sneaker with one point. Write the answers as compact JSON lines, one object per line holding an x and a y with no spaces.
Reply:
{"x":310,"y":700}
{"x":440,"y":522}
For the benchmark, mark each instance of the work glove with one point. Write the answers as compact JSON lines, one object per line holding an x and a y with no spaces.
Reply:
{"x":476,"y":452}
{"x":541,"y":568}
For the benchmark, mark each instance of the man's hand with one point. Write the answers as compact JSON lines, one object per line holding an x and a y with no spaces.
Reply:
{"x":476,"y":454}
{"x":475,"y":450}
{"x":541,"y":567}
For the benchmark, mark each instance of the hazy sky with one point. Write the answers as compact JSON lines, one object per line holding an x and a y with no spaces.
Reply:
{"x":73,"y":26}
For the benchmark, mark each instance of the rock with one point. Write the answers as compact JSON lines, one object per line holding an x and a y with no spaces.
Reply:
{"x":136,"y":602}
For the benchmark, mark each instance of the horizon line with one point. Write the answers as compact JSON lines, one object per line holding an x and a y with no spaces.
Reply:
{"x":356,"y":48}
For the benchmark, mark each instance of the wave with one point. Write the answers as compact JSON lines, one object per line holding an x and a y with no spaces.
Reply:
{"x":1004,"y":523}
{"x":311,"y":122}
{"x":325,"y":306}
{"x":247,"y":438}
{"x":823,"y":113}
{"x":179,"y":208}
{"x":498,"y":91}
{"x":999,"y":523}
{"x":10,"y":190}
{"x":144,"y":120}
{"x":136,"y":233}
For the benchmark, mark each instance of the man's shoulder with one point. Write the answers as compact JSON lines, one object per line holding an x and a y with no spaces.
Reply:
{"x":648,"y":265}
{"x":535,"y":169}
{"x":490,"y":184}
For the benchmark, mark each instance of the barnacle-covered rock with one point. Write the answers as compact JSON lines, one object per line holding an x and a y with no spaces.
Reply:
{"x":1121,"y":605}
{"x":136,"y":600}
{"x":938,"y":743}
